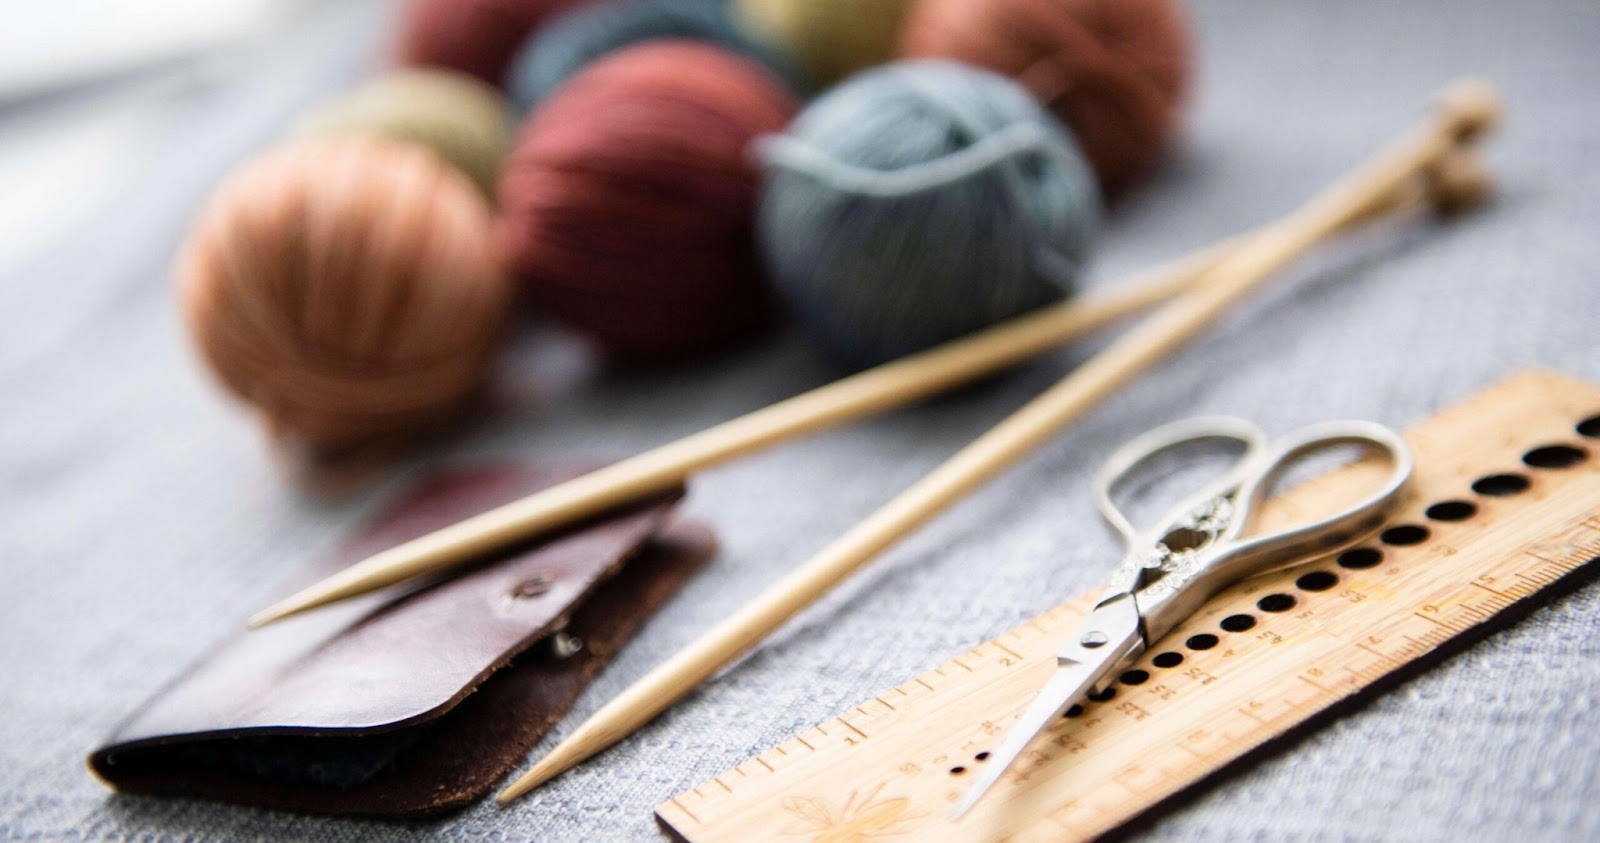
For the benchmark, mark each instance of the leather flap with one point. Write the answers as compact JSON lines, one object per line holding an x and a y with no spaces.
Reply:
{"x":376,"y":672}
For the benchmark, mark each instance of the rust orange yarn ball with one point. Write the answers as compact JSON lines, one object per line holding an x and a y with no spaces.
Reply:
{"x":628,"y":202}
{"x":478,"y":37}
{"x":1116,"y":71}
{"x":347,"y":289}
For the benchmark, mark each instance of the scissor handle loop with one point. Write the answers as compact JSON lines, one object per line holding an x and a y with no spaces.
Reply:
{"x":1243,"y":555}
{"x":1337,"y":528}
{"x":1140,"y":450}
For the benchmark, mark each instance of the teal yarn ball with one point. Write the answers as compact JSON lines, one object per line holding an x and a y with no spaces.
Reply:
{"x":919,"y":202}
{"x":590,"y":31}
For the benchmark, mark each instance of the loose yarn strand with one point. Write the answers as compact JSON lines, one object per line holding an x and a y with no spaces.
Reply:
{"x":911,"y":179}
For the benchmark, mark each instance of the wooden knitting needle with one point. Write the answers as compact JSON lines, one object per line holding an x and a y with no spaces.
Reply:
{"x":1464,"y":111}
{"x":873,"y":391}
{"x":866,"y":393}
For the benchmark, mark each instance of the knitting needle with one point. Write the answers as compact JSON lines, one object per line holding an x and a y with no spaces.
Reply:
{"x":1463,"y":112}
{"x":867,"y":393}
{"x":872,"y":391}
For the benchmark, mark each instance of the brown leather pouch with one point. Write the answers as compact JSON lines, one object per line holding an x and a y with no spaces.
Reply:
{"x":417,"y":699}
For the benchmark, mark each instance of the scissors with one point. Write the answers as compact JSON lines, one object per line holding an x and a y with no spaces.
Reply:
{"x":1197,"y":549}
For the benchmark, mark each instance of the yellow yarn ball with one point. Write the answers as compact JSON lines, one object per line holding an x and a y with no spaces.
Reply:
{"x":832,"y":38}
{"x":460,"y":118}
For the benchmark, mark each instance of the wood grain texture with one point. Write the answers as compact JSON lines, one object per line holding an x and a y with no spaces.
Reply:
{"x":890,"y":768}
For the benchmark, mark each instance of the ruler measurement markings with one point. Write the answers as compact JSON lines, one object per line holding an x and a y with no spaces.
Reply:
{"x":1494,"y":591}
{"x":1423,"y":615}
{"x":1007,"y":650}
{"x":686,"y":812}
{"x":1536,"y":577}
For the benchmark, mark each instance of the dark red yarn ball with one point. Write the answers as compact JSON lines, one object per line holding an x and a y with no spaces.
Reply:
{"x":628,"y":202}
{"x":1115,"y":71}
{"x":478,"y":37}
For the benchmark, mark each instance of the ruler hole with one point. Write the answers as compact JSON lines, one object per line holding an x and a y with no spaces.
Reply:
{"x":956,"y":771}
{"x":1452,"y":510}
{"x":1238,"y":623}
{"x":1360,"y":558}
{"x":1104,"y":694}
{"x":1317,"y":581}
{"x":982,"y":756}
{"x":1072,"y":711}
{"x":1555,"y":456}
{"x":1501,"y":485}
{"x":1276,"y":603}
{"x":1404,"y":535}
{"x":1590,"y":427}
{"x":1167,"y":659}
{"x":1134,"y":677}
{"x":1203,"y":641}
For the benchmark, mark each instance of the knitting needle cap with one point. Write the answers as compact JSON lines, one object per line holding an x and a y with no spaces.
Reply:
{"x":1470,"y":107}
{"x":1461,"y":181}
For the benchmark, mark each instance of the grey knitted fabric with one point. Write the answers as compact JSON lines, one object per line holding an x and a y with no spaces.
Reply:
{"x":139,"y":521}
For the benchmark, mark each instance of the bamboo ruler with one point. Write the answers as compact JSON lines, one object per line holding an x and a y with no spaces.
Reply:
{"x":1506,"y":503}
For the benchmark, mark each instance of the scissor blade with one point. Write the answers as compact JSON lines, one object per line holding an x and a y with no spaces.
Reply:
{"x":1079,"y":670}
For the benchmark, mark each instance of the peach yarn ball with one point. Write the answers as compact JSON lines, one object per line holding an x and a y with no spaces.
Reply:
{"x":348,"y":290}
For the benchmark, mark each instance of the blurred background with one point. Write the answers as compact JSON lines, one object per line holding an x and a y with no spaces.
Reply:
{"x":91,"y":91}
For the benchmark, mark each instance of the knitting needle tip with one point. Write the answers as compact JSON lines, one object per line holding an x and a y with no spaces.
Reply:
{"x":542,"y":772}
{"x":369,"y":575}
{"x":265,"y":616}
{"x":292,"y":605}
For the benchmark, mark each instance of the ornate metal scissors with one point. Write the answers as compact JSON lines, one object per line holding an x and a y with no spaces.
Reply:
{"x":1199,"y":548}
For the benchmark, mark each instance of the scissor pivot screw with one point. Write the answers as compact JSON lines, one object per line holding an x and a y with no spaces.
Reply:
{"x":1093,"y":639}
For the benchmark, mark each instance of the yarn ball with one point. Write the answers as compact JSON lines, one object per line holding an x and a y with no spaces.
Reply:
{"x":576,"y":38}
{"x":832,"y":38}
{"x":346,"y":289}
{"x":460,"y":118}
{"x":628,"y":200}
{"x":476,"y":37}
{"x":1116,"y":71}
{"x":919,"y":202}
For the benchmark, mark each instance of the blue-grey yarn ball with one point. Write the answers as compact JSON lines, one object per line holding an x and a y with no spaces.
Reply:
{"x":589,"y":31}
{"x":919,"y":202}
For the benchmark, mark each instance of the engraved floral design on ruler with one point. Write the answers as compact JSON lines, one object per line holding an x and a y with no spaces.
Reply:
{"x":859,"y":820}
